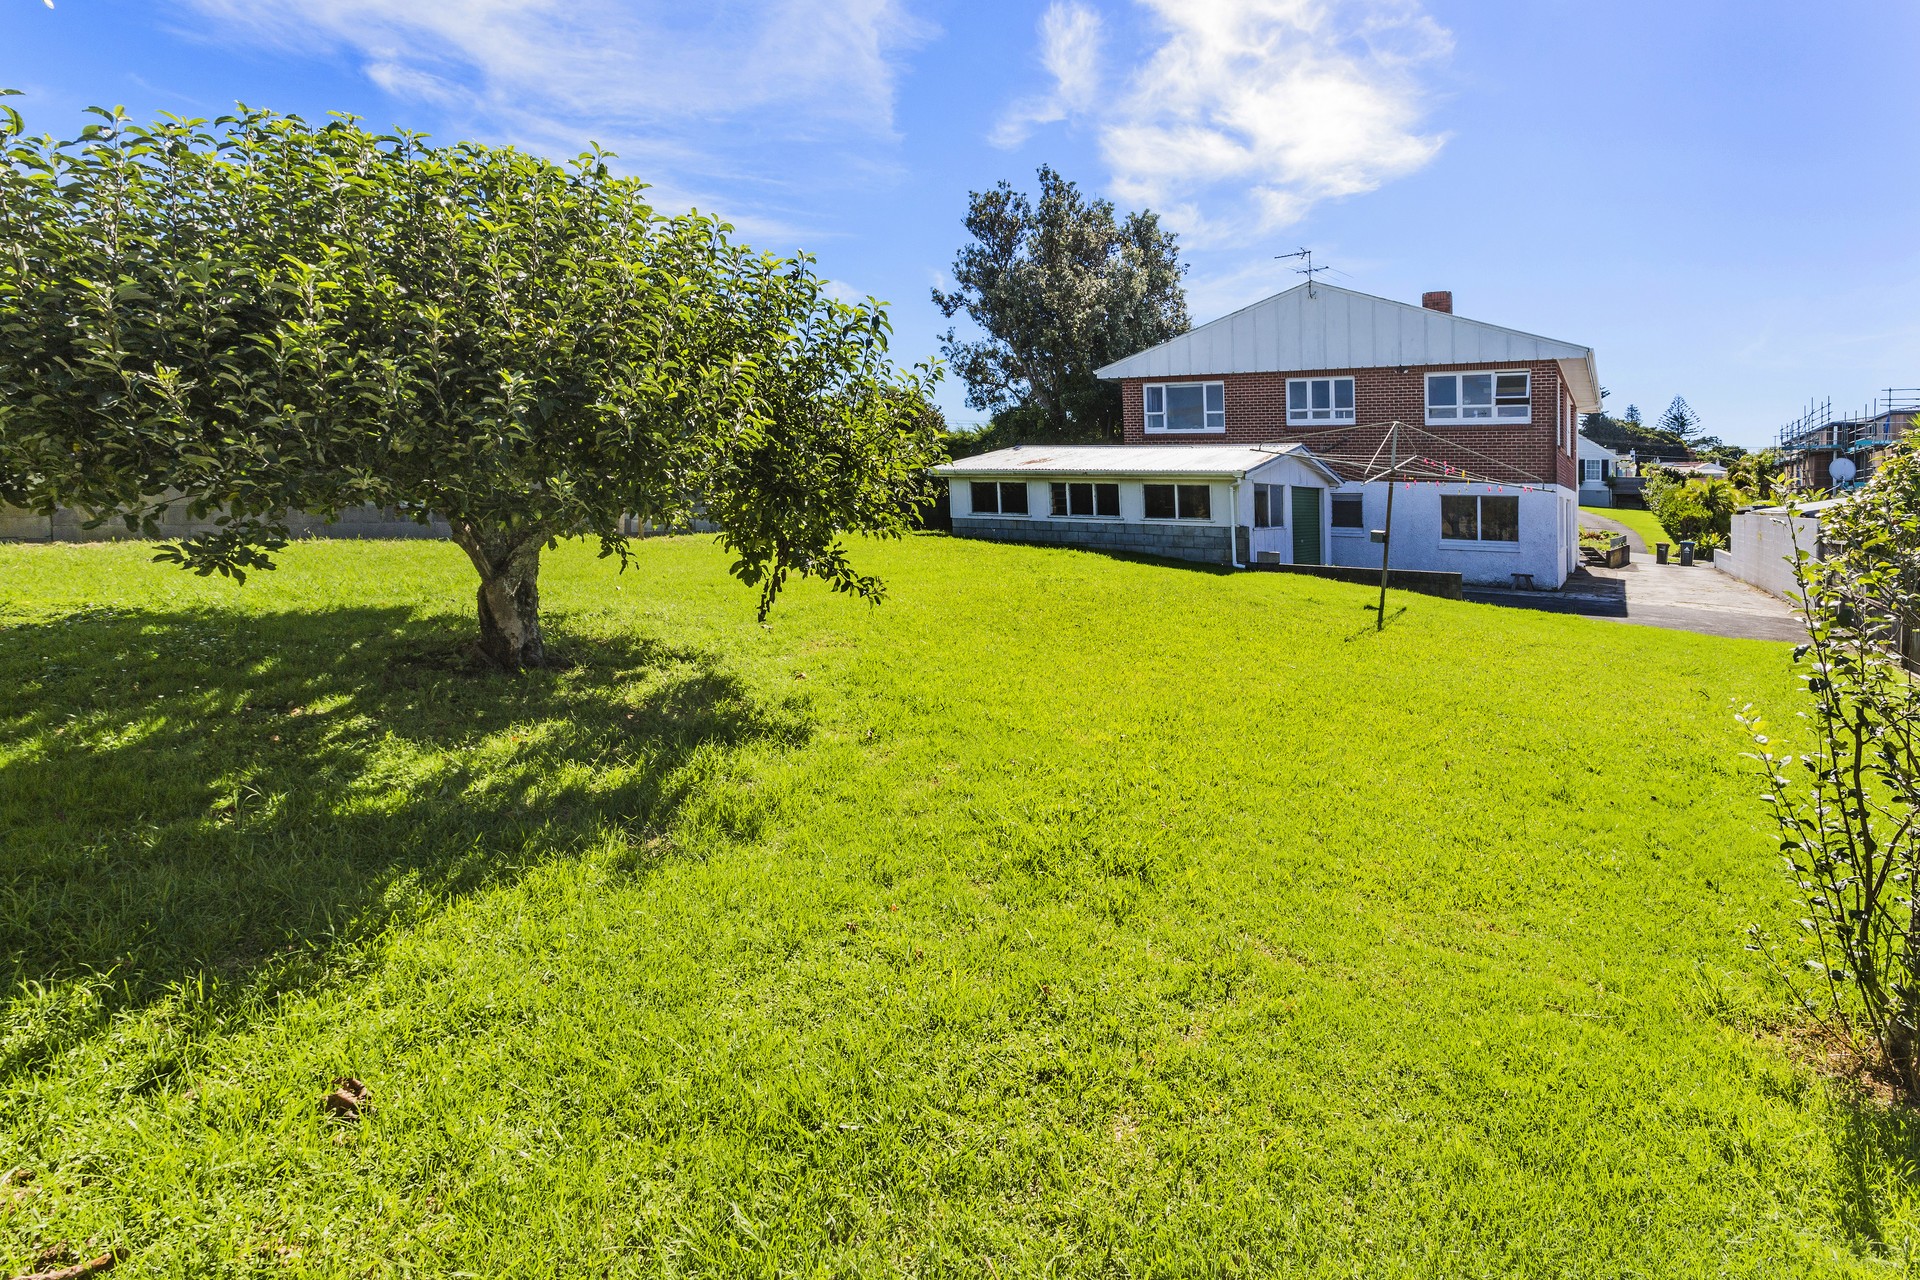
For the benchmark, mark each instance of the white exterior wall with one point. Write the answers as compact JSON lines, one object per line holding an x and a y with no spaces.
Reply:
{"x":1762,"y":549}
{"x":1286,"y":474}
{"x":1230,"y":503}
{"x":1548,"y":547}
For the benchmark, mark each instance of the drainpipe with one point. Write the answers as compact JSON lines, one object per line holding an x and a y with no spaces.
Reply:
{"x":1233,"y":534}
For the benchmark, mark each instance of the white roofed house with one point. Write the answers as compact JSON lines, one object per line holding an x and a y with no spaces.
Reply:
{"x":1599,"y":468}
{"x":1488,"y":414}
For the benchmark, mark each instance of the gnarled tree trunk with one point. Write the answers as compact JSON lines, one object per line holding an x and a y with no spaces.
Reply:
{"x":509,"y":597}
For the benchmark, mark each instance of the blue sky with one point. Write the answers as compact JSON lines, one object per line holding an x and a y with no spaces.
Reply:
{"x":1720,"y":197}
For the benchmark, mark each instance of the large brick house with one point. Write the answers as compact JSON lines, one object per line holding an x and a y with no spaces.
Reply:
{"x":1487,"y":438}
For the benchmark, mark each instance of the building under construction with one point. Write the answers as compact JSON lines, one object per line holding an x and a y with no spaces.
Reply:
{"x":1813,"y":443}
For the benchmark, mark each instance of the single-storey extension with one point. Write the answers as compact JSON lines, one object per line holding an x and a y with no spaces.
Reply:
{"x":1226,"y":504}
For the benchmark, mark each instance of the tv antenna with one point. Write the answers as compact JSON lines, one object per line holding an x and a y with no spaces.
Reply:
{"x":1309,"y":271}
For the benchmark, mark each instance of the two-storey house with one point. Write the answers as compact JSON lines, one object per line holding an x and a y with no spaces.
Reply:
{"x":1474,"y":424}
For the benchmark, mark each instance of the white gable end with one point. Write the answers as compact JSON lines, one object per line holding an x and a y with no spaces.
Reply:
{"x":1326,"y":327}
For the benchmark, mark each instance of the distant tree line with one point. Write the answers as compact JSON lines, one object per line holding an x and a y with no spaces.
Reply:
{"x":1678,"y":435}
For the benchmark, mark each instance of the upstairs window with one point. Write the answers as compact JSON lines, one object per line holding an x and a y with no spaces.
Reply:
{"x":1349,"y":511}
{"x":1480,"y":397}
{"x":1180,"y":408}
{"x":1000,"y":497}
{"x":1084,"y":498}
{"x":1311,"y":400}
{"x":1177,"y":501}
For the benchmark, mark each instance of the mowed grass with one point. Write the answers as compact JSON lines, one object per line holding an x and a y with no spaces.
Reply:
{"x":1063,"y":916}
{"x":1641,"y":522}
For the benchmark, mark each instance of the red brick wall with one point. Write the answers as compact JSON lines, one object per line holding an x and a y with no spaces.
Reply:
{"x":1541,"y":452}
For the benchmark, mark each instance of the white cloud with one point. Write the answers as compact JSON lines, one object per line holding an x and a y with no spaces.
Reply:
{"x":696,"y":94}
{"x":1070,"y":37}
{"x":1245,"y":113}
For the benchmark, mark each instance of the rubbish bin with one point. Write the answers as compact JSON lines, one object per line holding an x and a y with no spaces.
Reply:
{"x":1660,"y":552}
{"x":1686,"y":552}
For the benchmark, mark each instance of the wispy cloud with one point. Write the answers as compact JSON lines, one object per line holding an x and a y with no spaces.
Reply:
{"x":696,"y":94}
{"x":1070,"y":38}
{"x":1245,"y":113}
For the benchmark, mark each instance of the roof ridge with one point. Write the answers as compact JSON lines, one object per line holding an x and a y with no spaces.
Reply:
{"x":1485,"y":326}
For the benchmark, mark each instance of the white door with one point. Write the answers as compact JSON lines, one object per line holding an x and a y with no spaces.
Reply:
{"x":1268,"y":543}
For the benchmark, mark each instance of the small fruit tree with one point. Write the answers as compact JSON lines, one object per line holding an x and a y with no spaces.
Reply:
{"x":256,"y":315}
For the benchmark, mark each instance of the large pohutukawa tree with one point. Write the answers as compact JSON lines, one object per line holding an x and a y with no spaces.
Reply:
{"x":259,"y":316}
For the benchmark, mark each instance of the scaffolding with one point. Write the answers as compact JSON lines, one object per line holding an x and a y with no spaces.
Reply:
{"x":1876,"y":425}
{"x":1820,"y":433}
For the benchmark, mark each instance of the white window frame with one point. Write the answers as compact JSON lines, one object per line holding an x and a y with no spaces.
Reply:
{"x":1179,"y":508}
{"x":1348,"y":530}
{"x":1456,"y":414}
{"x":1154,"y":419}
{"x":1479,"y":539}
{"x":1000,"y":499}
{"x":1095,"y":486}
{"x":1598,"y":466}
{"x":1275,"y":497}
{"x":1309,"y":415}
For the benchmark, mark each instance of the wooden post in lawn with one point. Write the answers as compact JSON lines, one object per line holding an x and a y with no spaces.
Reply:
{"x":1386,"y":540}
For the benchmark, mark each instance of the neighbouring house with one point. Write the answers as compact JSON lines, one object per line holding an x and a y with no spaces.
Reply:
{"x":1604,"y":475}
{"x":1489,"y":414}
{"x":1226,"y":504}
{"x":1697,"y":468}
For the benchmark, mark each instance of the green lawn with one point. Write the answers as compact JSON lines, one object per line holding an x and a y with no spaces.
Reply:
{"x":1061,"y":916}
{"x":1641,"y":522}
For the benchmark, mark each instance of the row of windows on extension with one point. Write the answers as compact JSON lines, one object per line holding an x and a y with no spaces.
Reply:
{"x":1463,"y":517}
{"x":1162,"y":501}
{"x":1451,"y":397}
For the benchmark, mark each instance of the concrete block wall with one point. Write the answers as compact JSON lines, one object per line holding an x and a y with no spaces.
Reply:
{"x":67,"y":525}
{"x":23,"y":526}
{"x":1762,"y":550}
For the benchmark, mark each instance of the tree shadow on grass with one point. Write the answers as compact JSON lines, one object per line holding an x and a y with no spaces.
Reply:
{"x":202,"y":794}
{"x":1875,"y":1143}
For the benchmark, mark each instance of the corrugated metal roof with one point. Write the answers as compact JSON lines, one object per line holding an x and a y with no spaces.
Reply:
{"x":1132,"y":460}
{"x":1334,"y":328}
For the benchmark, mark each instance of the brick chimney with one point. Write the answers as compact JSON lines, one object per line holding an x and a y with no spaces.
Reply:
{"x":1438,"y":300}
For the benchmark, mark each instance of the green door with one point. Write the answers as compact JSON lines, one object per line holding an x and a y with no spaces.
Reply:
{"x":1306,"y":525}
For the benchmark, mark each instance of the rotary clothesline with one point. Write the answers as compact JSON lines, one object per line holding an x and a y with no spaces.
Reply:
{"x":1395,"y":471}
{"x":1419,"y":467}
{"x":1413,"y":470}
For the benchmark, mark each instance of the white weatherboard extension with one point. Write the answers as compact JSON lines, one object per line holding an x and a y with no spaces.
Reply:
{"x":1229,"y":504}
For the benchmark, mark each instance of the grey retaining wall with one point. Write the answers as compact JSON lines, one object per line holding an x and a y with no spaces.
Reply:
{"x":1206,"y":542}
{"x":67,"y":525}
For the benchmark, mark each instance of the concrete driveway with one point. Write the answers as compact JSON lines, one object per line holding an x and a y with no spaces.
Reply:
{"x":1697,"y":598}
{"x":1701,"y":598}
